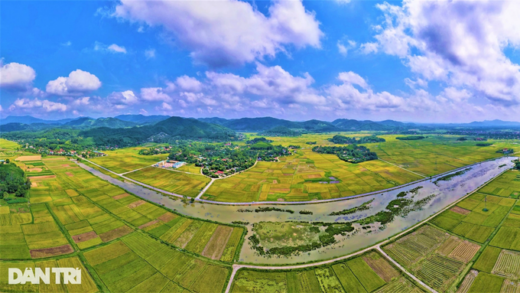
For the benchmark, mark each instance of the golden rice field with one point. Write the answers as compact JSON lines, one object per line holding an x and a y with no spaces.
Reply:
{"x":127,"y":159}
{"x":172,"y":181}
{"x":286,"y":180}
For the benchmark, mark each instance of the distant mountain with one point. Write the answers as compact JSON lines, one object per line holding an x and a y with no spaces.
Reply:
{"x":10,"y":127}
{"x":494,"y":123}
{"x":266,"y":123}
{"x":141,"y":119}
{"x":85,"y":122}
{"x":176,"y":127}
{"x":30,"y":120}
{"x":280,"y":131}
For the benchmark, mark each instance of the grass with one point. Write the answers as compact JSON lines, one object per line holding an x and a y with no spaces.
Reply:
{"x":176,"y":182}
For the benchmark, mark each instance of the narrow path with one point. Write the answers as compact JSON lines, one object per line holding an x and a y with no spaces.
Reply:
{"x":404,"y":270}
{"x":403,"y":168}
{"x":205,"y":188}
{"x":120,"y":174}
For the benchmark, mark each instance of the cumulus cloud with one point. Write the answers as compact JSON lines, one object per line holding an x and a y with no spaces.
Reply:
{"x":154,"y":94}
{"x":460,"y":43}
{"x":77,"y":83}
{"x":344,"y":47}
{"x":228,"y":32}
{"x":273,"y":82}
{"x":347,"y":96}
{"x":121,"y":99}
{"x":16,"y":76}
{"x":45,"y":105}
{"x":190,"y":84}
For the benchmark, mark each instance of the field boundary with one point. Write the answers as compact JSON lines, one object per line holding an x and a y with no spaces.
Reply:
{"x":403,"y":168}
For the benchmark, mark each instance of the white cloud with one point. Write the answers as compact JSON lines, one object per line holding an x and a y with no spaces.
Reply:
{"x":460,"y":43}
{"x":369,"y":48}
{"x":154,"y":94}
{"x":347,"y":96}
{"x":344,"y":48}
{"x":456,"y":95}
{"x":121,"y":100}
{"x":46,"y":105}
{"x":228,"y":32}
{"x":81,"y":101}
{"x":166,"y":106}
{"x":66,"y":44}
{"x":16,"y":76}
{"x":143,"y":112}
{"x":343,"y":1}
{"x":149,"y":54}
{"x":418,"y":83}
{"x":77,"y":83}
{"x":190,"y":84}
{"x":116,"y":49}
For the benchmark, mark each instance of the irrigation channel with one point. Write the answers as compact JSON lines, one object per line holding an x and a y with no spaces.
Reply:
{"x":446,"y":193}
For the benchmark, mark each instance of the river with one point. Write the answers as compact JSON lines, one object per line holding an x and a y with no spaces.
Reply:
{"x":446,"y":193}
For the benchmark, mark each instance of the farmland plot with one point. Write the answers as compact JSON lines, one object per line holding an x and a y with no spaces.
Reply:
{"x":176,"y":182}
{"x":508,"y":265}
{"x":139,"y":261}
{"x":127,"y":159}
{"x":367,"y":273}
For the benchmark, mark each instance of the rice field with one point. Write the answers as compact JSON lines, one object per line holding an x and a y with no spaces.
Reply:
{"x":127,"y":159}
{"x":367,"y":273}
{"x":176,"y":182}
{"x":507,"y":185}
{"x":477,"y":216}
{"x":435,"y":154}
{"x":435,"y":257}
{"x":508,"y":265}
{"x":138,"y":263}
{"x":292,"y":179}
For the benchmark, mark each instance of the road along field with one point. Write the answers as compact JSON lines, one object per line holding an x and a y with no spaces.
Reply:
{"x":367,"y":273}
{"x":172,"y":181}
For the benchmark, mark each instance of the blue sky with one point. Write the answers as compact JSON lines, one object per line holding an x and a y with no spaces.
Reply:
{"x":424,"y":61}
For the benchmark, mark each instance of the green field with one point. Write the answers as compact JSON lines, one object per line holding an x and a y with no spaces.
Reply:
{"x":172,"y":181}
{"x":127,"y":159}
{"x":367,"y":273}
{"x":139,"y":263}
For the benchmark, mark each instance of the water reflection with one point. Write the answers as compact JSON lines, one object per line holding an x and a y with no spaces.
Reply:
{"x":447,"y":192}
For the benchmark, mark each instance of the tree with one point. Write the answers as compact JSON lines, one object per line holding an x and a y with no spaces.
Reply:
{"x":7,"y":161}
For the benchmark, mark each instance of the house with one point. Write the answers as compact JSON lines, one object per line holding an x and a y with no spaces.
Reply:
{"x":51,"y":152}
{"x":220,"y":173}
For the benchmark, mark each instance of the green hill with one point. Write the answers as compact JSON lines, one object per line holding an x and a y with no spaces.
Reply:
{"x":173,"y":127}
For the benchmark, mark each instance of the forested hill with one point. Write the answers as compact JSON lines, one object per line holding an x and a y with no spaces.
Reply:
{"x":84,"y":123}
{"x":268,"y":123}
{"x":173,"y":127}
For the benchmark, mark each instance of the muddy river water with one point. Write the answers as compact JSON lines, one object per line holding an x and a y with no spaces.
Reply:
{"x":446,"y":193}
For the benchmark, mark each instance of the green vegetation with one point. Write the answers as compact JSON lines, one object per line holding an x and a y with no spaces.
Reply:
{"x":364,"y":206}
{"x":483,"y":144}
{"x":288,"y":238}
{"x":13,"y":181}
{"x":340,"y":139}
{"x":280,"y":131}
{"x":449,"y":176}
{"x":351,"y":153}
{"x":411,"y":137}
